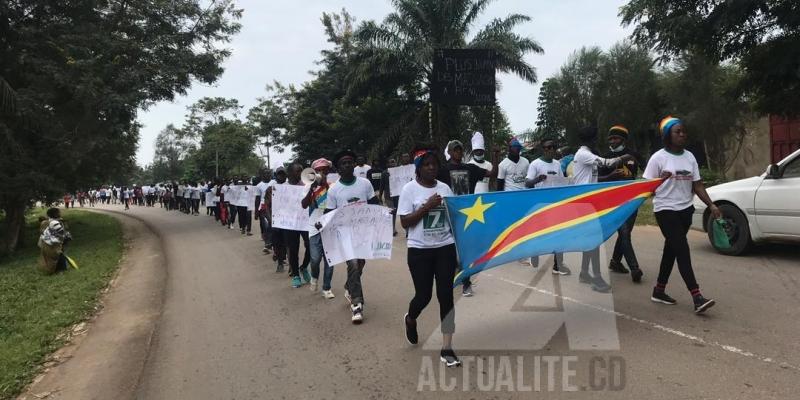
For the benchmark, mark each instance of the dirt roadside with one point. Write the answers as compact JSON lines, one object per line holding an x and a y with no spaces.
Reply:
{"x":106,"y":355}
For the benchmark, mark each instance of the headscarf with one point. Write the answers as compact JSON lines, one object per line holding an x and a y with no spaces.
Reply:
{"x":667,"y":124}
{"x":419,"y":155}
{"x":321,"y":163}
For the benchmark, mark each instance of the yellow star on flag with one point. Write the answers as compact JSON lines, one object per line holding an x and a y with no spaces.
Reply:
{"x":475,"y":213}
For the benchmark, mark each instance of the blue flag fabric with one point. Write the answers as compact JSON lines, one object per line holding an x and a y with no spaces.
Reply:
{"x":496,"y":228}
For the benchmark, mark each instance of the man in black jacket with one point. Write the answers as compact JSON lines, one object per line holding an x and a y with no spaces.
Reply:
{"x":617,"y":140}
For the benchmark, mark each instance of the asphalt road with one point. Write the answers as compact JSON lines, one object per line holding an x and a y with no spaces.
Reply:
{"x":233,"y":328}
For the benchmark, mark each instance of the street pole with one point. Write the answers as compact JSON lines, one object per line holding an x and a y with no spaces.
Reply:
{"x":216,"y":161}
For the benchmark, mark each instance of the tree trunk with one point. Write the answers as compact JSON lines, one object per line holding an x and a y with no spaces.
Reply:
{"x":12,"y":238}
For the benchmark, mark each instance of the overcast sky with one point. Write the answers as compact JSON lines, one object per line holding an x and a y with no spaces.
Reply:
{"x":281,"y":40}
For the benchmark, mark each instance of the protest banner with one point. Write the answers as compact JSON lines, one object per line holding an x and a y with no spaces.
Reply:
{"x":358,"y":230}
{"x":287,"y":212}
{"x":399,"y":176}
{"x":463,"y":76}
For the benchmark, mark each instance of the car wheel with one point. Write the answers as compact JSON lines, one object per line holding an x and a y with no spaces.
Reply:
{"x":736,"y":227}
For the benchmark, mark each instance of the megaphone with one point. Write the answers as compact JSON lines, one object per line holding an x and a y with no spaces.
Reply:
{"x":308,"y":176}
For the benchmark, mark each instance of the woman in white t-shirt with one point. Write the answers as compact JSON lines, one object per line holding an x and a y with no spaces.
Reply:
{"x":431,"y":249}
{"x":673,"y":209}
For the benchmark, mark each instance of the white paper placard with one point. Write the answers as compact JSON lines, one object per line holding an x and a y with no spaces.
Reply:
{"x":287,"y":212}
{"x":358,"y":230}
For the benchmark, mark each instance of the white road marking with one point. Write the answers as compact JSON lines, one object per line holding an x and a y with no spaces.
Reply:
{"x":696,"y":339}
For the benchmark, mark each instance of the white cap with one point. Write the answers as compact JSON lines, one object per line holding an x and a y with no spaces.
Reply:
{"x":477,"y":141}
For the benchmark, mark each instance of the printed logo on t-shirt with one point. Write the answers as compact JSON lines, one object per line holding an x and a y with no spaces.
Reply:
{"x":459,"y":182}
{"x":434,"y":224}
{"x":352,"y":200}
{"x":683,"y":175}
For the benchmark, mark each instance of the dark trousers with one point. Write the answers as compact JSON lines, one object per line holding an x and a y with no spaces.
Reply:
{"x":624,"y":245}
{"x":232,"y":211}
{"x":263,"y":223}
{"x":674,"y":226}
{"x":278,"y":245}
{"x":244,"y":222}
{"x":196,"y":206}
{"x":591,"y":257}
{"x":427,"y":266}
{"x":395,"y":204}
{"x":292,"y":239}
{"x":353,"y":285}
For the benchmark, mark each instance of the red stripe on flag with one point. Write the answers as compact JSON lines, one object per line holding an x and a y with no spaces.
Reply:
{"x":571,"y":210}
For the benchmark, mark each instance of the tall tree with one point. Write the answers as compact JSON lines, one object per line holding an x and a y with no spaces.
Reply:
{"x":400,"y":49}
{"x":762,"y":35}
{"x":84,"y":69}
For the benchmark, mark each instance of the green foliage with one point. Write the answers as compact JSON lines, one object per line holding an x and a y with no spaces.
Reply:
{"x":398,"y":53}
{"x":37,"y":308}
{"x":763,"y":36}
{"x":597,"y":88}
{"x":79,"y":72}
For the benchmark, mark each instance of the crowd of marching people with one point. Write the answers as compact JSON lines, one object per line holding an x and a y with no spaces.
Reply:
{"x":238,"y":202}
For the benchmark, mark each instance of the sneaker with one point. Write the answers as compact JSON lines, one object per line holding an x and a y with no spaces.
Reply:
{"x":358,"y":313}
{"x":663,"y":298}
{"x":561,"y":270}
{"x":534,"y":262}
{"x":314,"y":285}
{"x":411,"y":330}
{"x":249,"y":234}
{"x":584,"y":277}
{"x":265,"y":250}
{"x":306,"y":275}
{"x":636,"y":275}
{"x":701,"y":304}
{"x":467,"y":291}
{"x":449,"y":358}
{"x":328,"y":294}
{"x":280,"y":267}
{"x":616,"y":266}
{"x":296,"y":282}
{"x":599,"y":285}
{"x":241,"y":231}
{"x":347,"y":297}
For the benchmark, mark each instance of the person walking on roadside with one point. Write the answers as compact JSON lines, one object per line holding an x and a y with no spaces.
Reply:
{"x":276,"y":234}
{"x":351,"y":189}
{"x":617,"y":140}
{"x":292,"y":237}
{"x":673,"y":208}
{"x":260,"y":210}
{"x":432,"y":254}
{"x":315,"y":201}
{"x":585,"y":168}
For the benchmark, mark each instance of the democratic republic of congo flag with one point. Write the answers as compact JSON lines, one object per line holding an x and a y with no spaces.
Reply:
{"x":496,"y":228}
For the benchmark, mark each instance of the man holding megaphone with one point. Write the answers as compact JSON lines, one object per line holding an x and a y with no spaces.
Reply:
{"x":315,"y":202}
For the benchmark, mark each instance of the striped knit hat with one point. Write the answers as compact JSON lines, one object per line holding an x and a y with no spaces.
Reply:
{"x":667,"y":124}
{"x":618,"y":130}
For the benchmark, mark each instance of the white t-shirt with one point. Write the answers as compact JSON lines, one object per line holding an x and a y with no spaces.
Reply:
{"x":252,"y":192}
{"x":196,"y":192}
{"x":552,"y":170}
{"x":513,"y":173}
{"x":483,"y":185}
{"x":341,"y":194}
{"x":433,"y":231}
{"x":361,"y":172}
{"x":676,"y":192}
{"x":585,"y":164}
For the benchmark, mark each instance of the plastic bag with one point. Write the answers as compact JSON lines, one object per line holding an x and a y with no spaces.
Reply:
{"x":721,"y":240}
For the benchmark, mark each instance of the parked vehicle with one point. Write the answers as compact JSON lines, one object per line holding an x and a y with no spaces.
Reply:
{"x":759,"y":209}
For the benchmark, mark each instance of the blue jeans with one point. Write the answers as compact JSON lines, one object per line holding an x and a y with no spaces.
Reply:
{"x":317,"y":256}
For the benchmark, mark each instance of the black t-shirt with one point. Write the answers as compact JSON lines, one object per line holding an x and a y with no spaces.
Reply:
{"x":375,"y":176}
{"x":461,"y":177}
{"x":631,"y":166}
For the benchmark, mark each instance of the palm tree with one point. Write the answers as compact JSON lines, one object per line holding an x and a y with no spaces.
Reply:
{"x":401,"y":48}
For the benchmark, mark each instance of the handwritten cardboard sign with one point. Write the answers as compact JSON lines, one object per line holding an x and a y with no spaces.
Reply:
{"x":358,"y":230}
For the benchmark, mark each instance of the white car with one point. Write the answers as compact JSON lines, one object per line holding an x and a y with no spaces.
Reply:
{"x":758,"y":209}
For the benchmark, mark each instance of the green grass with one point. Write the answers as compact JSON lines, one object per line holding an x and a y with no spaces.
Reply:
{"x":646,"y":216}
{"x":35,"y":309}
